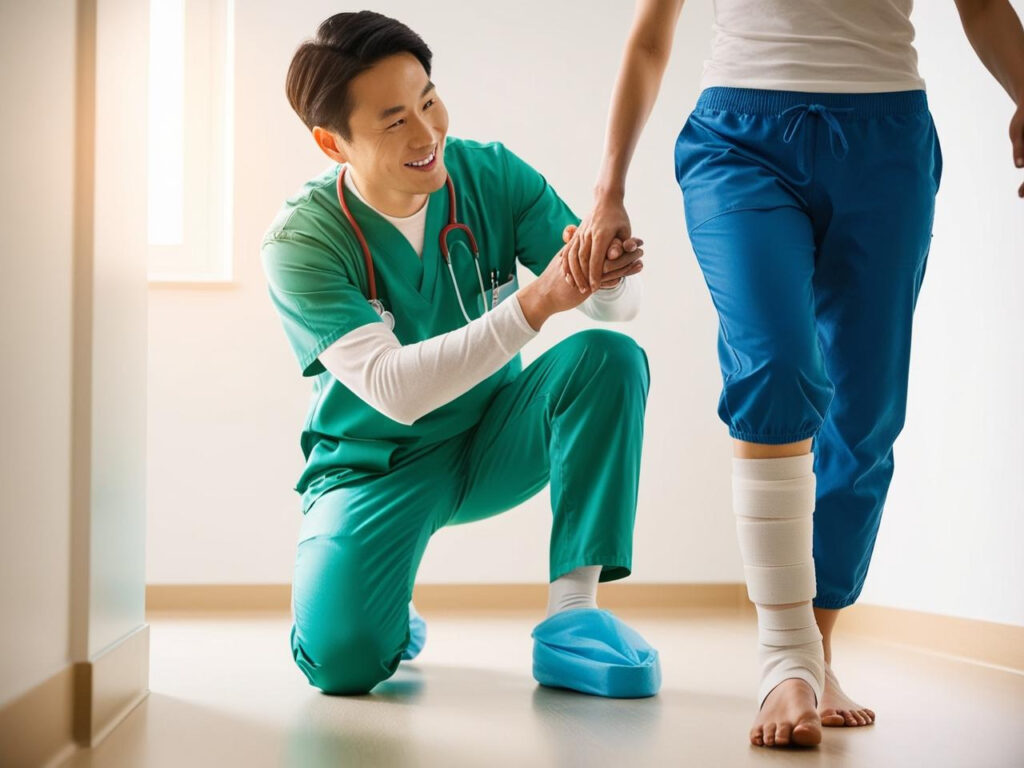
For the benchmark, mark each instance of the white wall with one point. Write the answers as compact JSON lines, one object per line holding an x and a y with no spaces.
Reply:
{"x":35,"y":336}
{"x":226,"y":401}
{"x":954,"y":523}
{"x":72,"y":516}
{"x":117,"y":458}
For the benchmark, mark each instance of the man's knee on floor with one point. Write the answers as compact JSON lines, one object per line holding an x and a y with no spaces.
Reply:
{"x":348,"y":662}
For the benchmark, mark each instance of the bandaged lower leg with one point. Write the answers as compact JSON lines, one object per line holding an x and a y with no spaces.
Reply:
{"x":576,"y":589}
{"x":774,"y":504}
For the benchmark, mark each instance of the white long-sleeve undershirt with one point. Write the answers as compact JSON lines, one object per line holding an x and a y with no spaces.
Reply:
{"x":407,"y":382}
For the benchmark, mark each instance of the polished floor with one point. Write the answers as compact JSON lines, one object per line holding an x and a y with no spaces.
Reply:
{"x":226,"y":693}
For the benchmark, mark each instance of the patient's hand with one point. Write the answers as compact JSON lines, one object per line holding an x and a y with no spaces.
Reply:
{"x":621,"y":259}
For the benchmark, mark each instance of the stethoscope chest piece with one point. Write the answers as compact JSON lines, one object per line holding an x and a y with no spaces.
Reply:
{"x":387,"y":317}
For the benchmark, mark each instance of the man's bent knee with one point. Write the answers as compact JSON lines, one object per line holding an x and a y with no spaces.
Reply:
{"x":349,"y":664}
{"x":609,"y":349}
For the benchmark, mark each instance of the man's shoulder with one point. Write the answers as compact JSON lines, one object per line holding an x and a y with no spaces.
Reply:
{"x":474,"y":155}
{"x":307,"y":209}
{"x":485,"y":163}
{"x":471,"y":147}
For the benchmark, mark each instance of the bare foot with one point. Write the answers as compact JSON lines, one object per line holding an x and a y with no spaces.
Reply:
{"x":837,"y":709}
{"x":788,"y":717}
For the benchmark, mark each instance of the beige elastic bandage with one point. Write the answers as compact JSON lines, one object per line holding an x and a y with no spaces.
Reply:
{"x":774,"y":504}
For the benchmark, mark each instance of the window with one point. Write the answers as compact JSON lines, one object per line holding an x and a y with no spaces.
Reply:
{"x":190,"y":140}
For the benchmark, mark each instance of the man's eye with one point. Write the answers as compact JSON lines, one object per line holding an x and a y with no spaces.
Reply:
{"x":429,"y":104}
{"x":396,"y":123}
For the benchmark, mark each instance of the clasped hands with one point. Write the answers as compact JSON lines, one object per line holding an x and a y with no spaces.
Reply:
{"x":555,"y":289}
{"x":622,"y":258}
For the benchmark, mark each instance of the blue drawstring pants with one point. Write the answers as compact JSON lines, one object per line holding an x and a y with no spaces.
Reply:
{"x":811,"y":218}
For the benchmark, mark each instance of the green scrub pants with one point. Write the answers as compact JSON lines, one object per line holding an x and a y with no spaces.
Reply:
{"x":573,"y":418}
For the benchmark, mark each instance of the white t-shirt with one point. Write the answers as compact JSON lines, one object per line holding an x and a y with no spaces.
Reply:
{"x":820,"y":46}
{"x":413,"y":227}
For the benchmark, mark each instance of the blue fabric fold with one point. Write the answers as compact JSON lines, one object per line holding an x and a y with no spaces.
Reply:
{"x":417,"y":635}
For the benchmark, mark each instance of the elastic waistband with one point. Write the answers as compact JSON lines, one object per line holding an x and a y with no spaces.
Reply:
{"x":754,"y":101}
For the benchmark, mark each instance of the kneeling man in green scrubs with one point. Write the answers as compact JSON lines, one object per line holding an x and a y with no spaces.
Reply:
{"x":394,"y":274}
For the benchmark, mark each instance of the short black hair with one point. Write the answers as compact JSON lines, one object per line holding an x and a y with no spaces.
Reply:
{"x":345,"y":45}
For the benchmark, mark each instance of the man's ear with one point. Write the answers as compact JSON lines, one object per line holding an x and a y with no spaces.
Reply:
{"x":329,"y":144}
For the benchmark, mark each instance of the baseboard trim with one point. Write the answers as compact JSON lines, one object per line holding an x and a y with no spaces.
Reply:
{"x":975,"y":640}
{"x":37,"y":728}
{"x":110,"y":686}
{"x":616,"y":596}
{"x":223,"y":598}
{"x":985,"y":642}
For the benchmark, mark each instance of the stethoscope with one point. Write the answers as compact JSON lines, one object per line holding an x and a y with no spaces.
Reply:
{"x":453,"y":225}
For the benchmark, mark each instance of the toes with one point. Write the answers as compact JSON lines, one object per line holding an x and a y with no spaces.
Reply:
{"x":757,"y":736}
{"x":769,"y":734}
{"x":782,"y":734}
{"x":831,"y":718}
{"x":806,"y":733}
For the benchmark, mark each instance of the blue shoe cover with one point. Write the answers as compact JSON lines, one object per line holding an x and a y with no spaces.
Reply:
{"x":591,"y":651}
{"x":417,"y":635}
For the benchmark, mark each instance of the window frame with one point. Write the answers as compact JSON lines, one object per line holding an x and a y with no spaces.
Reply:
{"x":205,"y":254}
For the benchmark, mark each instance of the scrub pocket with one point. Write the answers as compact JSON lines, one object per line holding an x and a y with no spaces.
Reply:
{"x":498,"y":293}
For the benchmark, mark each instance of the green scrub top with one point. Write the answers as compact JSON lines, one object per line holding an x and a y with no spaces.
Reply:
{"x":319,"y":285}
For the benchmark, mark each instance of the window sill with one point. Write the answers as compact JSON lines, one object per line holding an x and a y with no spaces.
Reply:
{"x":191,"y":281}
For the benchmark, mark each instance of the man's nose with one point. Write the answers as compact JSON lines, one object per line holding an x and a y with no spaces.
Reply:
{"x":424,"y":135}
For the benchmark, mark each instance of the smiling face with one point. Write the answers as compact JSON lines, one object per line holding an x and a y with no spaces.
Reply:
{"x":397,"y":130}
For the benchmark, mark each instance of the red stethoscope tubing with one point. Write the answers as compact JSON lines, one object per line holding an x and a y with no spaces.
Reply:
{"x":452,"y":226}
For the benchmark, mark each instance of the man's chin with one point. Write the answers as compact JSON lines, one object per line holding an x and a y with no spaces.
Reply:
{"x":431,"y":182}
{"x":438,"y":182}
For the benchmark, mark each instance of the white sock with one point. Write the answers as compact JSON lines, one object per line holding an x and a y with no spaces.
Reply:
{"x":576,"y":589}
{"x":774,"y":504}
